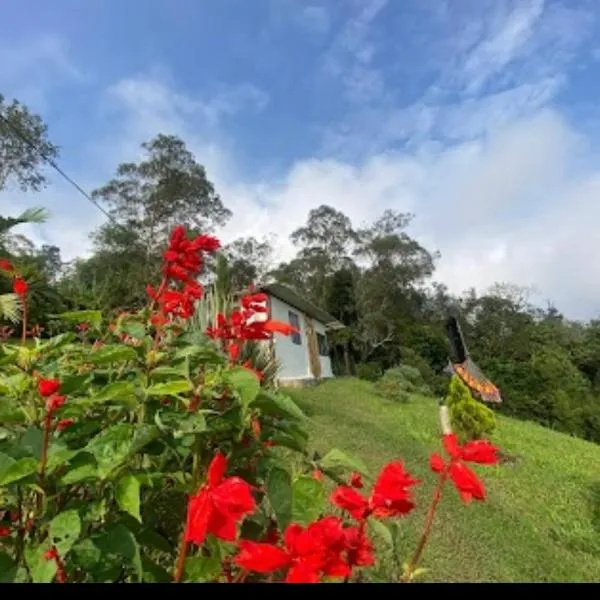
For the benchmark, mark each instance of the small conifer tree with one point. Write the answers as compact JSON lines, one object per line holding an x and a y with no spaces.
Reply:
{"x":471,"y":420}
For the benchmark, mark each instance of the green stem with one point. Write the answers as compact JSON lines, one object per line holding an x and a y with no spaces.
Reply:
{"x":24,"y":329}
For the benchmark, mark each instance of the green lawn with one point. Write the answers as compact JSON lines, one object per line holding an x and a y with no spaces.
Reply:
{"x":541,"y":521}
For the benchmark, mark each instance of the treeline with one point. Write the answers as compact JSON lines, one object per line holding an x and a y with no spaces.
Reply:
{"x":375,"y":278}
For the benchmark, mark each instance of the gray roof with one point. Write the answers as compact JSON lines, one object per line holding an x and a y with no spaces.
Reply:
{"x":289,"y":296}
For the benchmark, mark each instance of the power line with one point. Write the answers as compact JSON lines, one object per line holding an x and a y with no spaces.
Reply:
{"x":24,"y":138}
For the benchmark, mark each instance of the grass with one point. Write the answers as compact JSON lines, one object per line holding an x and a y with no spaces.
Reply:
{"x":541,"y":520}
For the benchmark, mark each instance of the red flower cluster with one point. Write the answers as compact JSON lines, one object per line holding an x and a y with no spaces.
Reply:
{"x":467,"y":483}
{"x":324,"y":548}
{"x":247,"y":324}
{"x":183,"y":263}
{"x":219,"y":505}
{"x":390,"y":495}
{"x":48,"y":388}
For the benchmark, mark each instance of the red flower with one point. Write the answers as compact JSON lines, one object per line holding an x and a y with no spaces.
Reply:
{"x":47,"y":387}
{"x":54,"y":403}
{"x":64,"y":423}
{"x":4,"y":531}
{"x":467,"y":483}
{"x":356,"y":481}
{"x":219,"y":505}
{"x":20,"y":286}
{"x":359,"y":550}
{"x":233,"y":349}
{"x":6,"y":265}
{"x":83,"y":327}
{"x":390,"y":495}
{"x":306,"y":554}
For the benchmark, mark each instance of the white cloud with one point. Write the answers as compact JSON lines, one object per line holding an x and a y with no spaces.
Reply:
{"x":502,"y":45}
{"x":513,"y":205}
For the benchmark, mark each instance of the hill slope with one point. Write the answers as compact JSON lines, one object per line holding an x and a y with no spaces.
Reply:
{"x":541,"y":521}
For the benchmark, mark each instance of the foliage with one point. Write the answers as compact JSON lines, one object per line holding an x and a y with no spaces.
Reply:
{"x":103,"y":427}
{"x":400,"y":382}
{"x":368,"y":371}
{"x":21,"y":160}
{"x":471,"y":419}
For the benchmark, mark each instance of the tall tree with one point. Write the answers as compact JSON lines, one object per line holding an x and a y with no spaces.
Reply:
{"x":146,"y":200}
{"x":23,"y":144}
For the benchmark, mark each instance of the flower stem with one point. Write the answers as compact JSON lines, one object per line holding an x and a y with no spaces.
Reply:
{"x":45,"y":442}
{"x":24,"y":321}
{"x":416,"y":557}
{"x":180,"y":563}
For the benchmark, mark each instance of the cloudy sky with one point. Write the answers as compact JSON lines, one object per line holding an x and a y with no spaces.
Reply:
{"x":482,"y":117}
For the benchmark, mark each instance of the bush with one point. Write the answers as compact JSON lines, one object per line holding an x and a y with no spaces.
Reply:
{"x":368,"y":371}
{"x":438,"y":383}
{"x":471,"y":420}
{"x":400,"y":382}
{"x":137,"y":451}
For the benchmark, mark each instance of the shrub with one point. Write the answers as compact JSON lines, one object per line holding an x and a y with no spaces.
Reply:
{"x":471,"y":420}
{"x":136,"y":451}
{"x":368,"y":371}
{"x":400,"y":382}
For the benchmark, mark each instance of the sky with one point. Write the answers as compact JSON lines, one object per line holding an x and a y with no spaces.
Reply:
{"x":480,"y":117}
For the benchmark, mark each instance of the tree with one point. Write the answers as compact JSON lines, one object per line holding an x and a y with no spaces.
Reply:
{"x":248,"y":261}
{"x":19,"y":159}
{"x":146,"y":200}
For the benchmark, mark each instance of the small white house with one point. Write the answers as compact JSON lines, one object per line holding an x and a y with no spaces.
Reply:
{"x":303,"y":357}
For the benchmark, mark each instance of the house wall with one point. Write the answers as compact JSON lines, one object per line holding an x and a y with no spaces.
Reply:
{"x":293,"y":357}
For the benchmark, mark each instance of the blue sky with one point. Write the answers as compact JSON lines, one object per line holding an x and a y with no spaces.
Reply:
{"x":479,"y":116}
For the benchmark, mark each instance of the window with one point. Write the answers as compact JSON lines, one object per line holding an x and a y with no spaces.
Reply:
{"x":295,"y":322}
{"x":322,"y":342}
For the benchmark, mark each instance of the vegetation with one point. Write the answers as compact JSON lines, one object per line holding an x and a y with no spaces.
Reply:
{"x":540,"y":522}
{"x":124,"y":408}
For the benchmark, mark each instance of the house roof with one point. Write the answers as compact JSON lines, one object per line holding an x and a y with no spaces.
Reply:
{"x":289,"y":296}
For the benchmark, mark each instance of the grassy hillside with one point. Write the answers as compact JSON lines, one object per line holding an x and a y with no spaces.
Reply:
{"x":541,"y":521}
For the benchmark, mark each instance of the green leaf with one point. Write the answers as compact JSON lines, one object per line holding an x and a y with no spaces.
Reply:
{"x":246,"y":384}
{"x":382,"y":531}
{"x":8,"y":568}
{"x":58,"y":455}
{"x":31,"y":443}
{"x":289,"y":442}
{"x":118,"y":542}
{"x":278,"y":404}
{"x":200,"y":569}
{"x":181,"y":424}
{"x":74,"y":383}
{"x":92,"y":317}
{"x":154,"y":573}
{"x":169,"y":388}
{"x":10,"y":412}
{"x":41,"y":570}
{"x":83,"y":467}
{"x":64,"y":531}
{"x":309,"y":500}
{"x":112,"y":354}
{"x":165,"y":372}
{"x":280,"y":494}
{"x":6,"y":462}
{"x":134,"y":329}
{"x":127,"y":495}
{"x":111,"y":447}
{"x":22,"y":468}
{"x":144,"y":435}
{"x":337,"y":461}
{"x":121,"y":392}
